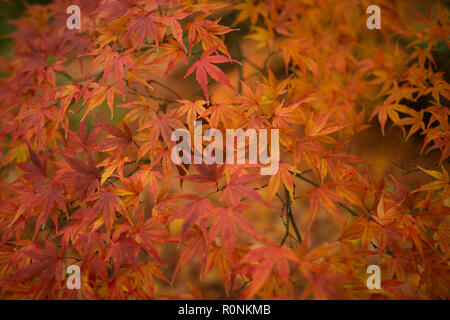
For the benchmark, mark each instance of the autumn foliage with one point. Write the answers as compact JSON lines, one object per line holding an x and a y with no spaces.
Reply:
{"x":86,"y":171}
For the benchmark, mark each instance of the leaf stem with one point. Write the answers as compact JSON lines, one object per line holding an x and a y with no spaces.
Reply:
{"x":166,"y":87}
{"x":300,"y":176}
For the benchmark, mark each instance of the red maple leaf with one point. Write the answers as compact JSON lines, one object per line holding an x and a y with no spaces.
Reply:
{"x":205,"y":66}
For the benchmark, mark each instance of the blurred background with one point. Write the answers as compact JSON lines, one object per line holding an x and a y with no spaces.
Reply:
{"x":387,"y":155}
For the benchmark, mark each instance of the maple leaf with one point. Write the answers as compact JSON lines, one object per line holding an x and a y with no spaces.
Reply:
{"x":327,"y":197}
{"x":207,"y":31}
{"x":54,"y":167}
{"x":205,"y":66}
{"x":34,"y":171}
{"x":98,"y":95}
{"x":141,"y":27}
{"x":149,"y":231}
{"x":398,"y":266}
{"x":70,"y":92}
{"x":273,"y":88}
{"x":390,"y":110}
{"x":269,"y":258}
{"x":149,"y":177}
{"x":416,"y":121}
{"x":171,"y":53}
{"x":216,"y":256}
{"x":124,"y":250}
{"x":118,"y":8}
{"x":140,"y":110}
{"x":131,"y":192}
{"x":359,"y":228}
{"x":283,"y":175}
{"x":111,"y":165}
{"x":193,"y":210}
{"x":78,"y":177}
{"x":195,"y":243}
{"x":52,"y":198}
{"x":236,"y":189}
{"x":162,"y":126}
{"x":209,"y":176}
{"x":221,"y":112}
{"x":224,"y":224}
{"x":442,"y":235}
{"x":82,"y":140}
{"x":405,"y":196}
{"x":120,"y":140}
{"x":172,"y":21}
{"x":264,"y":36}
{"x":70,"y":234}
{"x":306,"y":148}
{"x":320,"y":126}
{"x":248,"y":10}
{"x":283,"y":116}
{"x":147,"y":272}
{"x":249,"y":99}
{"x":116,"y":65}
{"x":325,"y":284}
{"x":106,"y":203}
{"x":46,"y":264}
{"x":192,"y":110}
{"x":442,"y":182}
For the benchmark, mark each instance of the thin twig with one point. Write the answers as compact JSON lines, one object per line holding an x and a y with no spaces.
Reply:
{"x":166,"y":87}
{"x":291,"y":216}
{"x":254,"y":65}
{"x":300,"y":176}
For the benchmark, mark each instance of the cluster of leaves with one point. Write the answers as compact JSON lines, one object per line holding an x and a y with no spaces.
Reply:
{"x":105,"y":195}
